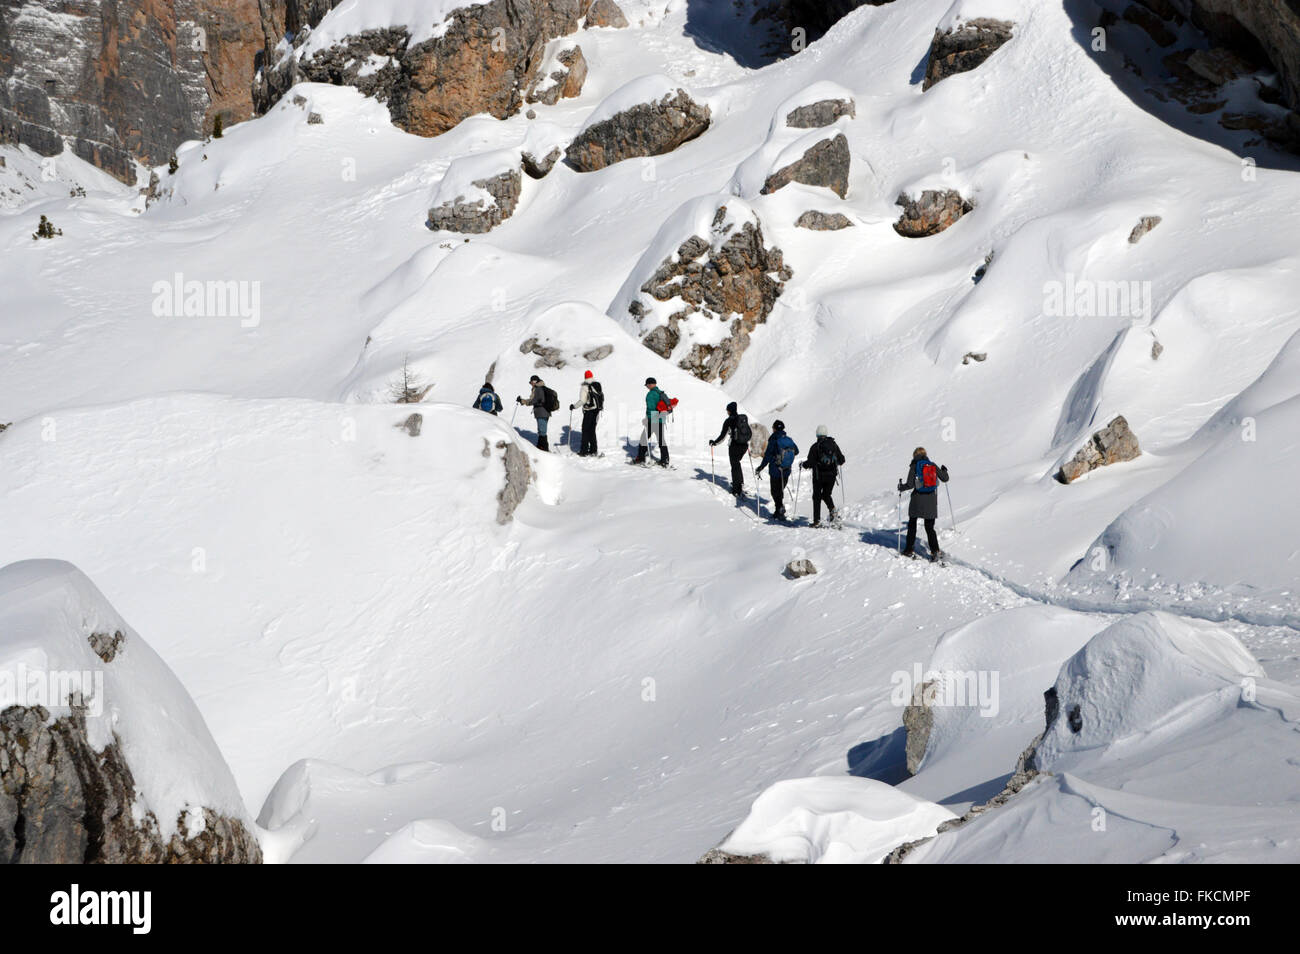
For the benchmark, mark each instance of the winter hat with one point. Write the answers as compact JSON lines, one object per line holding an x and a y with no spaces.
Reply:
{"x":778,"y":425}
{"x":588,"y":376}
{"x":919,"y":453}
{"x":821,"y":430}
{"x":650,"y":382}
{"x":731,"y":408}
{"x":534,"y":380}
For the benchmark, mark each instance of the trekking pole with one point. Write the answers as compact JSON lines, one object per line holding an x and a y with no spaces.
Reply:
{"x":952,"y":516}
{"x":512,"y":416}
{"x":798,"y":482}
{"x":713,"y":471}
{"x":842,"y":493}
{"x":570,"y":429}
{"x":758,"y":492}
{"x":900,"y":521}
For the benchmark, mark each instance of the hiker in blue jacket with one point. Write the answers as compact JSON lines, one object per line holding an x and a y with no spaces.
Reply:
{"x":923,"y":479}
{"x":779,"y":458}
{"x":488,"y":400}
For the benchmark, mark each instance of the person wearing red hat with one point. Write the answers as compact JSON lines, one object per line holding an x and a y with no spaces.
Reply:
{"x":591,"y":398}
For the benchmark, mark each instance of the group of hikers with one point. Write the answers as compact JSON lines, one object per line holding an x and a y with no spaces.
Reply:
{"x":824,"y":460}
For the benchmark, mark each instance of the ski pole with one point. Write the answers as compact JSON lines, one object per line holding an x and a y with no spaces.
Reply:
{"x":900,"y":521}
{"x":952,"y":516}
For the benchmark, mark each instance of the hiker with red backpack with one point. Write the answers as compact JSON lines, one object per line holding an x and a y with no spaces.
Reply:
{"x":658,"y":406}
{"x":923,"y":479}
{"x":591,"y":400}
{"x":544,"y":402}
{"x":736,"y":426}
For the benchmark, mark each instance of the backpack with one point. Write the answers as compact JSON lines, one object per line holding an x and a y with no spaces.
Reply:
{"x":927,"y":476}
{"x":595,"y":397}
{"x":826,"y":460}
{"x":552,"y":399}
{"x":665,"y":404}
{"x":788,"y":449}
{"x":742,"y":433}
{"x":488,"y":401}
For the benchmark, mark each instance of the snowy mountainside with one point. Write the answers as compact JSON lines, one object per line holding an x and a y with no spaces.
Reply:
{"x":620,"y":669}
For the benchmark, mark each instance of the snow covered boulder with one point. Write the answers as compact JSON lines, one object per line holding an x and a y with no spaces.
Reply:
{"x":103,"y":755}
{"x":1112,"y":444}
{"x":824,"y":112}
{"x":818,"y":221}
{"x":932,"y":213}
{"x":542,"y":148}
{"x":1138,"y":683}
{"x":829,"y":820}
{"x":478,"y":193}
{"x":962,"y":46}
{"x":649,"y":116}
{"x":824,"y":164}
{"x":706,"y":282}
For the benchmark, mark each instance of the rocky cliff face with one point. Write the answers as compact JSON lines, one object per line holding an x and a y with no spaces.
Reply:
{"x":124,"y":80}
{"x":1272,"y":24}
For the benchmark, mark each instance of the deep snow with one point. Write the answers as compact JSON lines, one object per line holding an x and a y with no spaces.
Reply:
{"x":620,"y":672}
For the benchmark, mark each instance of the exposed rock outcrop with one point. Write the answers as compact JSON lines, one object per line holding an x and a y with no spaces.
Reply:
{"x":965,"y":48}
{"x":104,"y":758}
{"x":823,"y":113}
{"x":826,"y":164}
{"x":647,"y":129}
{"x":1110,"y":445}
{"x":483,"y":62}
{"x":518,"y":474}
{"x":930,"y":214}
{"x":497,"y":198}
{"x":565,"y":81}
{"x":824,"y":221}
{"x":729,"y":276}
{"x":1145,"y":225}
{"x":62,"y":801}
{"x":540,"y":168}
{"x":606,"y":13}
{"x":918,"y":721}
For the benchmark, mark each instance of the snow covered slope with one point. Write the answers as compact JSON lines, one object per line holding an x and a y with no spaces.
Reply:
{"x":201,"y":388}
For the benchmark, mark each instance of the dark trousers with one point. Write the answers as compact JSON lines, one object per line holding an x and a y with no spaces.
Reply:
{"x":653,"y":426}
{"x":778,"y":479}
{"x":823,"y":491}
{"x":931,"y":537}
{"x":737,"y":454}
{"x":588,"y":446}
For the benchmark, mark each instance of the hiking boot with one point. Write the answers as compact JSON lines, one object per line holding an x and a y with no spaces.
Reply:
{"x":910,"y":554}
{"x":936,"y":556}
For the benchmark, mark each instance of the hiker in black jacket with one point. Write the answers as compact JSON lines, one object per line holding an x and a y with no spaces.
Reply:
{"x":923,"y":479}
{"x":737,"y":427}
{"x":537,"y":401}
{"x":590,"y":401}
{"x":825,"y":460}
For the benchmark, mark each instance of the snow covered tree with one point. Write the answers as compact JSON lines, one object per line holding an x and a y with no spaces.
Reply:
{"x":408,"y":388}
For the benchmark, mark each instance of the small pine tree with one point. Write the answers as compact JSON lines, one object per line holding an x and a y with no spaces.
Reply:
{"x":46,"y":230}
{"x":408,"y":389}
{"x":218,"y":126}
{"x":172,"y":165}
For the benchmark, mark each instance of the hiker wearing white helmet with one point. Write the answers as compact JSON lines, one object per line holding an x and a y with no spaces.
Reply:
{"x":825,"y":460}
